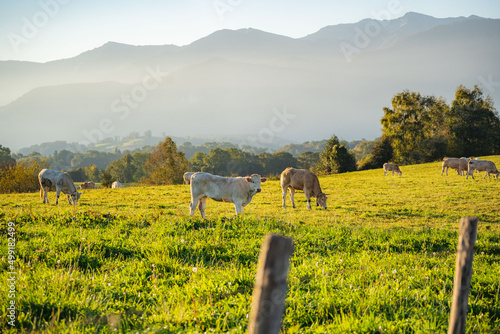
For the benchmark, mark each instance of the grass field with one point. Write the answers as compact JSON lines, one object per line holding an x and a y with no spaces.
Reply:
{"x":380,"y":259}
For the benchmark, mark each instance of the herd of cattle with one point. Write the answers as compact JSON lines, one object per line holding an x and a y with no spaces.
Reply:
{"x":240,"y":190}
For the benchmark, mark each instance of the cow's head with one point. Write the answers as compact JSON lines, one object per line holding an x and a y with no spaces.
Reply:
{"x":75,"y":197}
{"x":254,"y":182}
{"x":321,"y":200}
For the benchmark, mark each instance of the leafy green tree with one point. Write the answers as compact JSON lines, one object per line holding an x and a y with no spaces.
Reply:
{"x":165,"y":165}
{"x":381,"y":153}
{"x":197,"y":162}
{"x":6,"y":160}
{"x":411,"y":122}
{"x":307,"y":160}
{"x":106,"y":179}
{"x":92,"y":173}
{"x":335,"y":158}
{"x":216,"y":162}
{"x":473,"y":124}
{"x":278,"y":162}
{"x":21,"y":178}
{"x":123,"y":169}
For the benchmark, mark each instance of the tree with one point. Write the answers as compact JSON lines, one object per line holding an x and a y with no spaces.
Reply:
{"x":165,"y":165}
{"x":335,"y":158}
{"x":381,"y":153}
{"x":307,"y":160}
{"x":6,"y":160}
{"x":123,"y":169}
{"x":473,"y":124}
{"x":21,"y":178}
{"x":415,"y":124}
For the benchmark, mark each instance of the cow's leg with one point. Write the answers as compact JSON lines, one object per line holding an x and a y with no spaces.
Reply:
{"x":58,"y":191}
{"x":292,"y":195}
{"x":238,"y":206}
{"x":192,"y":205}
{"x":45,"y":196}
{"x":283,"y":196}
{"x":308,"y":197}
{"x":202,"y":203}
{"x":486,"y":173}
{"x":69,"y":199}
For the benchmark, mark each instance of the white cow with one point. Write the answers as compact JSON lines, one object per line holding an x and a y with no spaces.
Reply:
{"x":237,"y":190}
{"x":187,"y":177}
{"x":61,"y":181}
{"x":116,"y":185}
{"x":459,"y":164}
{"x":482,"y":165}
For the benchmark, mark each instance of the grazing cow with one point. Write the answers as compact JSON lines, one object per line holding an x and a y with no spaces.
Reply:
{"x":88,"y":185}
{"x":392,"y":167}
{"x":482,"y":165}
{"x":116,"y":185}
{"x":237,"y":190}
{"x":300,"y":179}
{"x":61,"y":181}
{"x":459,"y":164}
{"x":187,"y":177}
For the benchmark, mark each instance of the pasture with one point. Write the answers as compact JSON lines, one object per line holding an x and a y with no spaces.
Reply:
{"x":380,"y":259}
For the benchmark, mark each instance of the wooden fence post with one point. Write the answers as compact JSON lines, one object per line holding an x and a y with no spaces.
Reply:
{"x":463,"y":274}
{"x":269,"y":294}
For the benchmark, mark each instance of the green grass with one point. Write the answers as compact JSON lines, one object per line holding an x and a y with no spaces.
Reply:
{"x":380,"y":259}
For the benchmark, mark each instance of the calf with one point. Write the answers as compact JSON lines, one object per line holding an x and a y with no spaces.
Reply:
{"x":460,"y":165}
{"x":237,"y":190}
{"x":61,"y":181}
{"x":88,"y":185}
{"x":482,"y":165}
{"x":116,"y":185}
{"x":392,"y":167}
{"x":300,"y":179}
{"x":187,"y":177}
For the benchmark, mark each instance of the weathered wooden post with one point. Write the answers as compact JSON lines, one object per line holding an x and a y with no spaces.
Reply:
{"x":269,"y":294}
{"x":463,"y":274}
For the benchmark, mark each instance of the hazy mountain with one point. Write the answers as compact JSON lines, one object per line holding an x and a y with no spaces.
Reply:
{"x":248,"y":83}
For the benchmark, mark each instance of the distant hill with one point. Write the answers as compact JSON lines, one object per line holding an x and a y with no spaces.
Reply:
{"x":265,"y":89}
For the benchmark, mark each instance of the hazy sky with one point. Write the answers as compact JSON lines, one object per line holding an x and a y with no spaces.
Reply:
{"x":44,"y":30}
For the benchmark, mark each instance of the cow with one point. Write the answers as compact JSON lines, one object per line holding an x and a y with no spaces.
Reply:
{"x":116,"y":185}
{"x":237,"y":190}
{"x":300,"y":179}
{"x":87,"y":185}
{"x":49,"y":178}
{"x":482,"y":165}
{"x":459,"y":164}
{"x":388,"y":167}
{"x":187,"y":177}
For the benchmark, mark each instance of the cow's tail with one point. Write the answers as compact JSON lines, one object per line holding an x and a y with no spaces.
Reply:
{"x":41,"y":192}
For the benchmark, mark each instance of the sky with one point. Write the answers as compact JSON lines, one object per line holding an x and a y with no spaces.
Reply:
{"x":45,"y":30}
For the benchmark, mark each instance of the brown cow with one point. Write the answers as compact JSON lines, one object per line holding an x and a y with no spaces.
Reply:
{"x":392,"y":167}
{"x":459,"y":164}
{"x":87,"y":185}
{"x":299,"y":179}
{"x":49,"y":178}
{"x":482,"y":165}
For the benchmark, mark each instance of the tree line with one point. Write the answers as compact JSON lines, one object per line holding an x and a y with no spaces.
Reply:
{"x":415,"y":129}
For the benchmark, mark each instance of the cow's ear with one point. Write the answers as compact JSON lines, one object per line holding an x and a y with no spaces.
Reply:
{"x":249,"y":179}
{"x":263,"y":179}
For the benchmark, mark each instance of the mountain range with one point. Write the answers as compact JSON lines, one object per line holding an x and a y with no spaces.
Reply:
{"x":248,"y":83}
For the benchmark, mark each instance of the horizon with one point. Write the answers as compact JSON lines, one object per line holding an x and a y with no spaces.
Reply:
{"x":48,"y":30}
